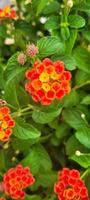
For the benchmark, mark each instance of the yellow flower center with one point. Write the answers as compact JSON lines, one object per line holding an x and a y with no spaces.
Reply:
{"x":46,"y":87}
{"x":54,"y":75}
{"x":7,"y":9}
{"x":44,"y":77}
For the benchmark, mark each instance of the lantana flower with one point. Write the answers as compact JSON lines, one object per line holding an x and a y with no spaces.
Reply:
{"x":47,"y":81}
{"x":16,"y":180}
{"x":7,"y":12}
{"x":6,"y":123}
{"x":70,"y":186}
{"x":1,"y":198}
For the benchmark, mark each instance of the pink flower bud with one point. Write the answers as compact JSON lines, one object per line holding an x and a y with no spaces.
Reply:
{"x":21,"y":58}
{"x":32,"y":50}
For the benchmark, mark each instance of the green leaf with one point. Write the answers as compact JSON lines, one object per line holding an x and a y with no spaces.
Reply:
{"x":85,"y":7}
{"x":52,"y":23}
{"x":76,"y":21}
{"x":86,"y":100}
{"x":70,"y":63}
{"x":45,"y":117}
{"x":49,"y":45}
{"x":2,"y":160}
{"x":47,"y":179}
{"x":41,"y":6}
{"x":73,"y":117}
{"x":83,"y":160}
{"x":72,"y":145}
{"x":65,"y":33}
{"x":83,"y":136}
{"x":51,"y":7}
{"x":38,"y":160}
{"x":72,"y":99}
{"x":25,"y":131}
{"x":82,"y":57}
{"x":11,"y":89}
{"x":71,"y":41}
{"x":81,"y":77}
{"x":62,"y":131}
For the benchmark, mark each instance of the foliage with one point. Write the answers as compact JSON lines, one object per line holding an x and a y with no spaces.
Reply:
{"x":47,"y":138}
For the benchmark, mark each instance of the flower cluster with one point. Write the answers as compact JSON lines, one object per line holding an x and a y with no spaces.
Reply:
{"x":47,"y":81}
{"x":6,"y":123}
{"x":7,"y":12}
{"x":17,"y":179}
{"x":70,"y":186}
{"x":1,"y":198}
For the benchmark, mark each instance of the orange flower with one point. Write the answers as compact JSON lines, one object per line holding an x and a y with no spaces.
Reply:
{"x":1,"y":198}
{"x":6,"y":123}
{"x":47,"y":81}
{"x":15,"y":180}
{"x":70,"y":186}
{"x":7,"y":12}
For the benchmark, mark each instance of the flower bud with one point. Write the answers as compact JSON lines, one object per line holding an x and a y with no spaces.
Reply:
{"x":21,"y":58}
{"x":32,"y":50}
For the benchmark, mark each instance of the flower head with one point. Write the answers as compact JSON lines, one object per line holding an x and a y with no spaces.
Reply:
{"x":1,"y":198}
{"x":7,"y":12}
{"x":16,"y":180}
{"x":47,"y":81}
{"x":6,"y":123}
{"x":32,"y":50}
{"x":70,"y":186}
{"x":21,"y":58}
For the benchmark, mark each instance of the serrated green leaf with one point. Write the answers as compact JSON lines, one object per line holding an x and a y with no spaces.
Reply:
{"x":52,"y":23}
{"x":83,"y":136}
{"x":38,"y":160}
{"x":82,"y":57}
{"x":44,"y":117}
{"x":49,"y":45}
{"x":25,"y":131}
{"x":76,"y":21}
{"x":73,"y":117}
{"x":47,"y":179}
{"x":32,"y":197}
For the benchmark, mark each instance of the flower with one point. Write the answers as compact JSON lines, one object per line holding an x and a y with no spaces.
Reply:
{"x":1,"y":198}
{"x":21,"y":58}
{"x":70,"y":186}
{"x":15,"y":180}
{"x":7,"y":12}
{"x":6,"y":123}
{"x":47,"y":80}
{"x":32,"y":50}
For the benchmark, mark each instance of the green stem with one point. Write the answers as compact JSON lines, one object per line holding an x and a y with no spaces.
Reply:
{"x":20,"y":112}
{"x":85,"y":173}
{"x":81,"y":85}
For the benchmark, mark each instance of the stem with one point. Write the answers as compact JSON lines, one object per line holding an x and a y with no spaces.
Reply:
{"x":85,"y":173}
{"x":81,"y":85}
{"x":20,"y":112}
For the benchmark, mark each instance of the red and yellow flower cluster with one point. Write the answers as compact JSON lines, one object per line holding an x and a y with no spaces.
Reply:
{"x":17,"y":179}
{"x":7,"y":12}
{"x":70,"y":186}
{"x":47,"y":81}
{"x":6,"y":123}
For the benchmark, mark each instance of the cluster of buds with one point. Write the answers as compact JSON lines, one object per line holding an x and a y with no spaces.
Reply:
{"x":48,"y":81}
{"x":7,"y":12}
{"x":70,"y":186}
{"x":6,"y":123}
{"x":16,"y":180}
{"x":31,"y":51}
